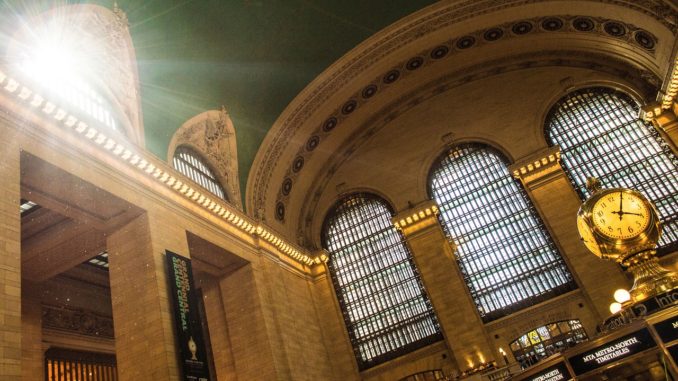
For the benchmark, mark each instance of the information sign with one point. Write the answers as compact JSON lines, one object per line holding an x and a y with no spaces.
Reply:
{"x":612,"y":351}
{"x":667,"y":329}
{"x":556,"y":372}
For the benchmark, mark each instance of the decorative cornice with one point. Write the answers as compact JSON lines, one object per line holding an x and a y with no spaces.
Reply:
{"x":416,"y":218}
{"x":147,"y":165}
{"x":80,"y":321}
{"x":537,"y":167}
{"x":671,"y":89}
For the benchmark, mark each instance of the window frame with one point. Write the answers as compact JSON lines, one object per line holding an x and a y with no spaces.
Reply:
{"x":351,"y":325}
{"x":529,"y":355}
{"x":206,"y":179}
{"x":652,"y":135}
{"x":477,"y":255}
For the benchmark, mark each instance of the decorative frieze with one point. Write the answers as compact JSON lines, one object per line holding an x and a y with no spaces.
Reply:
{"x":78,"y":321}
{"x":669,"y":96}
{"x":147,"y":165}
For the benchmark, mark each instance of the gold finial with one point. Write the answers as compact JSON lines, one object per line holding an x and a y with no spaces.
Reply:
{"x":592,"y":184}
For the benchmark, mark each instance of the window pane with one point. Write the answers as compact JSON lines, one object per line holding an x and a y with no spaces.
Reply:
{"x":503,"y":249}
{"x":600,"y":135}
{"x":386,"y":310}
{"x":529,"y":352}
{"x":192,"y":166}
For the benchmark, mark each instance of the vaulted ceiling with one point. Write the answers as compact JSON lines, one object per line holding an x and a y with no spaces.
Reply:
{"x":252,"y":56}
{"x":290,"y":71}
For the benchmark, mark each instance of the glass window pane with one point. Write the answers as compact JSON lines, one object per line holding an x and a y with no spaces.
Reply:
{"x":193,"y":166}
{"x":536,"y":344}
{"x":507,"y":257}
{"x":385,"y":307}
{"x":600,"y":135}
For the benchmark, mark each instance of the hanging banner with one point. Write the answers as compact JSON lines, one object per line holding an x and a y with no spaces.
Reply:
{"x":192,"y":352}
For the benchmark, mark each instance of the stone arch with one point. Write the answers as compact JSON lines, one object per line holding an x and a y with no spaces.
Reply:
{"x":212,"y":134}
{"x":431,"y":54}
{"x":102,"y":39}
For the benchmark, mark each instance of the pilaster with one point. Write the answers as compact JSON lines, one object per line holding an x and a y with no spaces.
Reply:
{"x":334,"y":334}
{"x":218,"y":330}
{"x":144,"y":336}
{"x":10,"y":258}
{"x":32,"y":354}
{"x":555,"y":199}
{"x":434,"y":256}
{"x":252,"y":352}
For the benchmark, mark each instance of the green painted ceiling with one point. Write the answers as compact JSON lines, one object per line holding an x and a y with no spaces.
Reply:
{"x":253,"y":56}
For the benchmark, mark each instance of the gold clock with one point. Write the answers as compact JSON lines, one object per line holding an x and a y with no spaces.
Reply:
{"x":616,"y":223}
{"x":622,"y":225}
{"x":587,"y":236}
{"x":621,"y":214}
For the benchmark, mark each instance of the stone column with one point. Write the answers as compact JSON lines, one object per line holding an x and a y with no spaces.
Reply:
{"x":10,"y":258}
{"x":249,"y":337}
{"x":32,"y":354}
{"x":144,"y":335}
{"x":434,"y":256}
{"x":334,"y":334}
{"x":554,"y":197}
{"x":224,"y":363}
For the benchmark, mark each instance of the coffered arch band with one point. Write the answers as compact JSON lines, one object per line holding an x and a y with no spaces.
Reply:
{"x":534,"y":123}
{"x":276,"y":177}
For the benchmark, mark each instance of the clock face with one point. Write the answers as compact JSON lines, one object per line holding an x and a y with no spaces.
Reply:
{"x":621,"y":215}
{"x":587,"y":236}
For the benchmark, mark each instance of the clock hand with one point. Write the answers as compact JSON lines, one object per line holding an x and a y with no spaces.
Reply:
{"x":635,"y":214}
{"x":621,"y":205}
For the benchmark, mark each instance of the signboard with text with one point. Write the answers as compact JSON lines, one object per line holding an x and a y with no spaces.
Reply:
{"x":556,"y":372}
{"x":192,"y":350}
{"x":667,"y":329}
{"x":673,"y":351}
{"x":612,"y":351}
{"x":642,"y":309}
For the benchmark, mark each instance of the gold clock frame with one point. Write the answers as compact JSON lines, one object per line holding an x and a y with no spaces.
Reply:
{"x":637,"y":253}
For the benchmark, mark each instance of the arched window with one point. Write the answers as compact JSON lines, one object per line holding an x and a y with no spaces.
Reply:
{"x":504,"y":252}
{"x":600,"y":135}
{"x":386,"y":310}
{"x":546,"y":340}
{"x":192,"y":165}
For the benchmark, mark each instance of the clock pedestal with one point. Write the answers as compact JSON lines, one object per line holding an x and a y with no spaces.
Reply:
{"x":649,"y":278}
